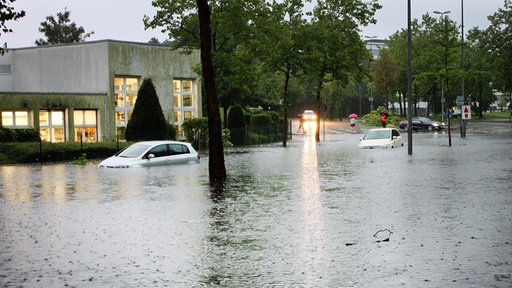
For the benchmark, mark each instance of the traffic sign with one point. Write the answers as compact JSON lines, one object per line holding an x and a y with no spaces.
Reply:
{"x":460,"y":100}
{"x":466,"y":112}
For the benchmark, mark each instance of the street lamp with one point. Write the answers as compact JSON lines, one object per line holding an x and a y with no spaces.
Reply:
{"x":409,"y":79}
{"x":371,"y":86}
{"x":463,"y":128}
{"x":442,"y":83}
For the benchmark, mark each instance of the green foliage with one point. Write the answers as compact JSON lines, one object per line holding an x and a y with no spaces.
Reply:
{"x":274,"y":117}
{"x":263,"y":129}
{"x":373,"y":118}
{"x":196,"y":132}
{"x":147,"y":121}
{"x":260,"y":121}
{"x":7,"y":13}
{"x":34,"y":152}
{"x":236,"y":125}
{"x":498,"y":41}
{"x":82,"y":160}
{"x":7,"y":135}
{"x":18,"y":135}
{"x":225,"y":138}
{"x":61,"y":30}
{"x":27,"y":135}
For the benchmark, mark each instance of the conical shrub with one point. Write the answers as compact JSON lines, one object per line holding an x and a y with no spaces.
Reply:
{"x":147,"y":121}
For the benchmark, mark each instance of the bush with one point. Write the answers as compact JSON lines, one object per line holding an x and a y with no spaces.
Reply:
{"x":196,"y":132}
{"x":27,"y":135}
{"x":33,"y":152}
{"x":147,"y":121}
{"x":259,"y":122}
{"x":373,"y":118}
{"x":274,"y":117}
{"x":236,"y":125}
{"x":18,"y":135}
{"x":7,"y":135}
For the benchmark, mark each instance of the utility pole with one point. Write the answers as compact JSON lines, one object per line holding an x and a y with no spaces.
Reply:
{"x":445,"y":59}
{"x":409,"y":79}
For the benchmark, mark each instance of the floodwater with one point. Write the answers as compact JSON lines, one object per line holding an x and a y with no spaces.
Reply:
{"x":310,"y":215}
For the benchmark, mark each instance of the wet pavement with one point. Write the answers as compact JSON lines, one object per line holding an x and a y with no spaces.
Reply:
{"x":310,"y":215}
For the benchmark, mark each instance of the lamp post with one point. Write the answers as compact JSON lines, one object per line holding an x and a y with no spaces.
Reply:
{"x":371,"y":84}
{"x":409,"y":79}
{"x":463,"y":127}
{"x":445,"y":61}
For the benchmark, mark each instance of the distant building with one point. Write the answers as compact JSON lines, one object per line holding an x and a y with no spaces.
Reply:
{"x":87,"y":91}
{"x":374,"y":46}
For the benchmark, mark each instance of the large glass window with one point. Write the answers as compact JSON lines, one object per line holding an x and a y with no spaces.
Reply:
{"x":85,"y":125}
{"x":183,"y":102}
{"x":51,"y":124}
{"x":126,"y":89}
{"x":15,"y":119}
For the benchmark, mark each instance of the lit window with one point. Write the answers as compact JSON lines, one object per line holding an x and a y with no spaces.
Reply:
{"x":15,"y":119}
{"x":85,"y":126}
{"x":126,"y":89}
{"x":184,"y":98}
{"x":51,"y":123}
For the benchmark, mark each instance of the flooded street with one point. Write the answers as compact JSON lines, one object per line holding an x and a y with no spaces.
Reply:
{"x":310,"y":215}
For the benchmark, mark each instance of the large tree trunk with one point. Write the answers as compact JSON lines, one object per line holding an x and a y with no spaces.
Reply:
{"x":216,"y":166}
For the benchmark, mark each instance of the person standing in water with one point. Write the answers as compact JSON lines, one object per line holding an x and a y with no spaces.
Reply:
{"x":384,"y":119}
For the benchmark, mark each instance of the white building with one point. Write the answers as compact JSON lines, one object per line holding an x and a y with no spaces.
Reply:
{"x":87,"y":91}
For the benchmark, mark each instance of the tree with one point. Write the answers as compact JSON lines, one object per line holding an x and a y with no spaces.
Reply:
{"x":333,"y":46}
{"x":230,"y":25}
{"x":282,"y":29}
{"x":216,"y":166}
{"x":61,"y":30}
{"x":498,"y":42}
{"x":385,"y":73}
{"x":147,"y":121}
{"x":7,"y":13}
{"x":478,"y":70}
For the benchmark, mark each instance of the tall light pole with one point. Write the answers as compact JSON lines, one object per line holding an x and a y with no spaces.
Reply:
{"x":463,"y":128}
{"x":371,"y":84}
{"x":443,"y":17}
{"x":409,"y":79}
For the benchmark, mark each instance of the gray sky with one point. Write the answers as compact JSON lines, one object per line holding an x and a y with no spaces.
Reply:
{"x":122,"y":19}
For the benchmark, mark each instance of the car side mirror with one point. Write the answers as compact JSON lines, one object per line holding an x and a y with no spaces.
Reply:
{"x":150,"y":156}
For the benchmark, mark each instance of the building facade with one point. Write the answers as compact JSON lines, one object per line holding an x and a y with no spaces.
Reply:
{"x":87,"y":91}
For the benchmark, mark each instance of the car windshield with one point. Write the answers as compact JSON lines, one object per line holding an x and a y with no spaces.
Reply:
{"x":376,"y":134}
{"x":424,"y":120}
{"x":133,"y":151}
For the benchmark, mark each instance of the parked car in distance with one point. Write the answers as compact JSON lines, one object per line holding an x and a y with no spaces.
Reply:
{"x":308,"y":115}
{"x":419,"y":123}
{"x":381,"y":138}
{"x":152,"y":153}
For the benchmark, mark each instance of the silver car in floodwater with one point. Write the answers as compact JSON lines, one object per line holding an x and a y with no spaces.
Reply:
{"x":152,"y":153}
{"x":381,"y":138}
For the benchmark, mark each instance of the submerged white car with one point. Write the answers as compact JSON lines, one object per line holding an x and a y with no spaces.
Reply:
{"x":152,"y":153}
{"x":381,"y":138}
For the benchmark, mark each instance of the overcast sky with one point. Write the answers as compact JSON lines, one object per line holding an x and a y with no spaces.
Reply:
{"x":122,"y":19}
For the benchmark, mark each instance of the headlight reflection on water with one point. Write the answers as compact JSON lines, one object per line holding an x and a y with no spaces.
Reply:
{"x":311,"y":220}
{"x":310,"y":127}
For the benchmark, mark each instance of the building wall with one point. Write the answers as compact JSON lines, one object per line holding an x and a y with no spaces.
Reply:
{"x":74,"y":68}
{"x":81,"y":76}
{"x":159,"y":63}
{"x":6,"y":79}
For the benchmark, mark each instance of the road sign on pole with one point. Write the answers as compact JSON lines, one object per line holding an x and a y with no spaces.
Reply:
{"x":466,"y":112}
{"x":460,"y":100}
